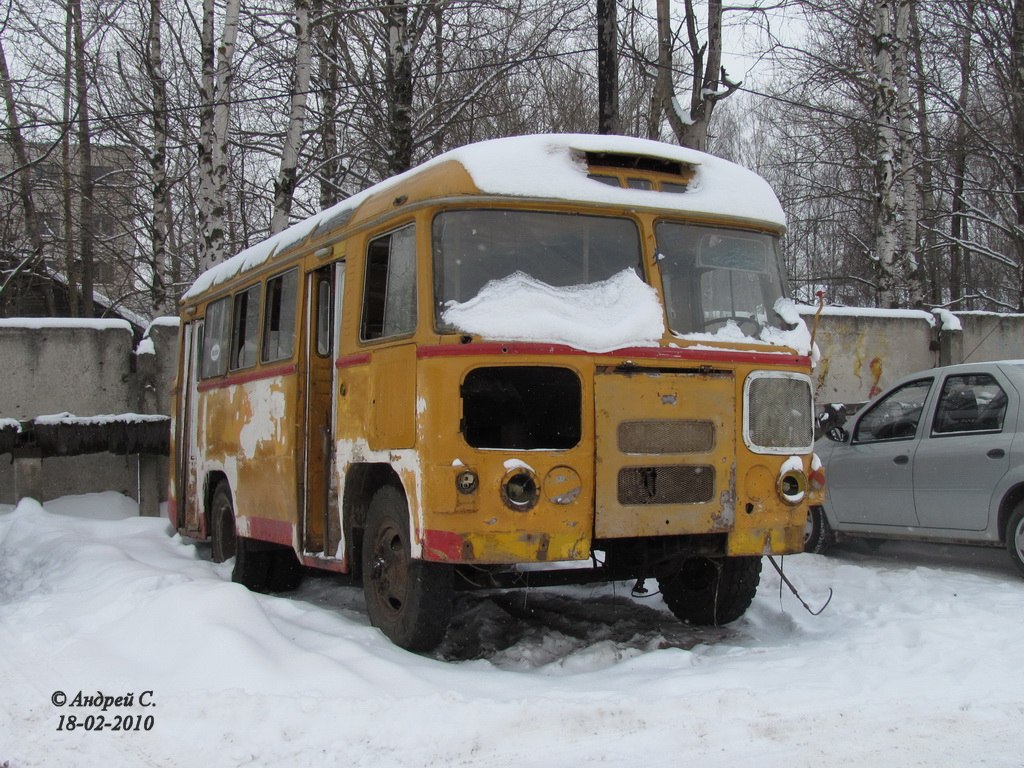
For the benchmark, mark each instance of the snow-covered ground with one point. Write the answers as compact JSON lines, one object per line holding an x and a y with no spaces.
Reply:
{"x":916,"y":661}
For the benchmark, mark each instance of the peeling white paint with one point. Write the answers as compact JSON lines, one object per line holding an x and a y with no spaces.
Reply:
{"x":268,"y":404}
{"x":405,"y":462}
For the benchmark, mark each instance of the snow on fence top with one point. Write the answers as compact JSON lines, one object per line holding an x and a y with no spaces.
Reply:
{"x":39,"y":323}
{"x":70,"y":419}
{"x":549,"y":166}
{"x":947,"y":320}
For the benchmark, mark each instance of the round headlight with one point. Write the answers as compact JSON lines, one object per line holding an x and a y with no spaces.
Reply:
{"x":792,"y":486}
{"x":520,"y":490}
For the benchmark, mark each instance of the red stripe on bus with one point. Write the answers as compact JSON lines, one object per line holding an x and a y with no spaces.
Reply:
{"x":350,"y":360}
{"x":337,"y":566}
{"x":643,"y":353}
{"x":276,"y":531}
{"x":247,"y":377}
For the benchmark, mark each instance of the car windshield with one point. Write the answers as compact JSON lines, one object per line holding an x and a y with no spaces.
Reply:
{"x":713,"y":275}
{"x":474,"y":247}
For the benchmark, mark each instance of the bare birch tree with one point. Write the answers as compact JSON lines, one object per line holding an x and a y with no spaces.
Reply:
{"x":709,"y":82}
{"x":284,"y":187}
{"x":888,"y":150}
{"x":165,"y":271}
{"x":215,"y":93}
{"x":1017,"y":154}
{"x":85,"y":180}
{"x":328,"y":84}
{"x":607,"y":67}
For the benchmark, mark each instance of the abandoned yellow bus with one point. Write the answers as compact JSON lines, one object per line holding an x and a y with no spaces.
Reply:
{"x":530,"y":361}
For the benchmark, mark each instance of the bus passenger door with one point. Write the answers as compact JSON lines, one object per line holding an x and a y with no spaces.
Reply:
{"x":321,"y":525}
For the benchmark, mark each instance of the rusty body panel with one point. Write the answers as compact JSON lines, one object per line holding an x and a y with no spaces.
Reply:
{"x":666,"y":452}
{"x":248,"y":432}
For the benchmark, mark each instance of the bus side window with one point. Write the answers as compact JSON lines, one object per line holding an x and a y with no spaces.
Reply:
{"x":215,"y":340}
{"x":279,"y":317}
{"x":245,"y":328}
{"x":389,"y":292}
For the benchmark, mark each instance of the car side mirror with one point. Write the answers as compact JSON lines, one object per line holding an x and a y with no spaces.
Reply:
{"x":837,"y":435}
{"x":829,"y":423}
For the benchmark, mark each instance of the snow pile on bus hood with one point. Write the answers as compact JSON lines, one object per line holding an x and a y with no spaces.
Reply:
{"x":622,"y":311}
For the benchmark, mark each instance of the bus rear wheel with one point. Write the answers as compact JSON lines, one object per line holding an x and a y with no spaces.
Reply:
{"x":712,"y":591}
{"x":259,"y":566}
{"x":409,"y":600}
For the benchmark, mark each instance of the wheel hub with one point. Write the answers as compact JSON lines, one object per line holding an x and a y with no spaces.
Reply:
{"x":389,"y":572}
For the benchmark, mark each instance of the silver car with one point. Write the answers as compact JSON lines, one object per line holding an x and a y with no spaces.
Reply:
{"x":939,"y":456}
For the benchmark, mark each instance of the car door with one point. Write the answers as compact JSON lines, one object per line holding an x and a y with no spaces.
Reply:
{"x":870,"y":479}
{"x":964,"y":456}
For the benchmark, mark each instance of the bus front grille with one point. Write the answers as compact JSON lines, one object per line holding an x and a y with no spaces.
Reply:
{"x":779,"y":413}
{"x":671,"y":484}
{"x":658,"y":436}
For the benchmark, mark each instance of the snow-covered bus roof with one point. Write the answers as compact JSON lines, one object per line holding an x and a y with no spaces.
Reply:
{"x":552,"y":167}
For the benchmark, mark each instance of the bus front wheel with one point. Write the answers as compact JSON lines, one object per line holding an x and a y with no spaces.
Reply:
{"x":712,"y":591}
{"x":409,"y":600}
{"x":222,"y":524}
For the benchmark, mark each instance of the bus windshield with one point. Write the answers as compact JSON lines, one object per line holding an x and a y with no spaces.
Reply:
{"x":473,"y":247}
{"x":713,"y":275}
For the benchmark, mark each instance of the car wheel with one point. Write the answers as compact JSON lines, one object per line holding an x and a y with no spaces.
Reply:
{"x":1015,"y":536}
{"x":712,"y":591}
{"x":817,"y":532}
{"x":409,"y":600}
{"x":222,"y":524}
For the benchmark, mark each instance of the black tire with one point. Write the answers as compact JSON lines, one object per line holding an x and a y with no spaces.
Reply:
{"x":818,"y":537}
{"x":1015,"y":537}
{"x":712,"y":592}
{"x":285,"y":572}
{"x":252,"y":565}
{"x":409,"y":600}
{"x":222,"y":524}
{"x":264,"y":567}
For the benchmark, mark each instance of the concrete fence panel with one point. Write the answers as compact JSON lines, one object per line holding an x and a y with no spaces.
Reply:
{"x":86,"y":368}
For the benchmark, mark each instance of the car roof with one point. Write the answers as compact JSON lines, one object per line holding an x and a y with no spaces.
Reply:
{"x":1012,"y":369}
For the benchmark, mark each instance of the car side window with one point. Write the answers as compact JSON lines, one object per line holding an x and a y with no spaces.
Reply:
{"x":972,"y":402}
{"x":896,"y":416}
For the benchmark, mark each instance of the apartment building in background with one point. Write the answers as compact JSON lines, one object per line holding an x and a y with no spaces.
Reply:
{"x":48,"y":288}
